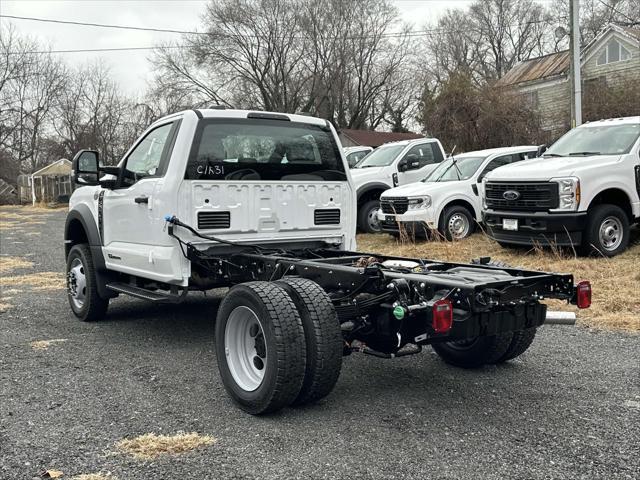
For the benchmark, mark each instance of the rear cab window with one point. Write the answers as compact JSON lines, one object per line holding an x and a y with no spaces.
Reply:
{"x":263,"y":149}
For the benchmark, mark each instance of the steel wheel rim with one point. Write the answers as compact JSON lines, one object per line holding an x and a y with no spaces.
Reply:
{"x":458,"y":225}
{"x":77,"y":283}
{"x":611,"y":233}
{"x":372,"y":220}
{"x":245,"y":348}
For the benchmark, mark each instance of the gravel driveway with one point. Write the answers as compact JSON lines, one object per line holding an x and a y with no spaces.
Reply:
{"x":568,"y":408}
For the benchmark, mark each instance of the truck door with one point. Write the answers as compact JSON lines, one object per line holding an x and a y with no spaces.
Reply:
{"x":420,"y":161}
{"x":132,"y":225}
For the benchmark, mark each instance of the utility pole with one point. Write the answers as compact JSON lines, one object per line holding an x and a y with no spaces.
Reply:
{"x":574,"y":68}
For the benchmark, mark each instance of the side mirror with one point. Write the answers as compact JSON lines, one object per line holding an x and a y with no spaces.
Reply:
{"x":86,"y":168}
{"x":403,"y":165}
{"x":541,"y":150}
{"x":413,"y":163}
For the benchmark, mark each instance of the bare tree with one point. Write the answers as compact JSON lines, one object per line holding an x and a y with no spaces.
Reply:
{"x":31,"y":81}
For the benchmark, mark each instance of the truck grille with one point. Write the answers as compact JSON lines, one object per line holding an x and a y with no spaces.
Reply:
{"x":394,"y":205}
{"x":326,"y":216}
{"x":532,"y":196}
{"x":214,"y":220}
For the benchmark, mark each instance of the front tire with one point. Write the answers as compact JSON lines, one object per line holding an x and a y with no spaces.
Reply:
{"x":474,"y":353}
{"x":368,"y":217}
{"x":82,"y":289}
{"x":607,"y":231}
{"x":260,"y":347}
{"x":323,"y":338}
{"x":456,"y":223}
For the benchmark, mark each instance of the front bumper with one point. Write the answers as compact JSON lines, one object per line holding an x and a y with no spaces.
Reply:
{"x":537,"y":228}
{"x":414,"y":221}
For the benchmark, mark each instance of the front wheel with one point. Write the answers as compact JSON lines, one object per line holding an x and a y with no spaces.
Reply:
{"x":368,"y":217}
{"x":607,"y":231}
{"x":260,"y":346}
{"x":456,"y":223}
{"x":82,"y":289}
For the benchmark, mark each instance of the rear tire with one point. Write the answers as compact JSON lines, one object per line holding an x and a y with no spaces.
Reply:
{"x":368,"y":217}
{"x":82,"y":289}
{"x":475,"y":352}
{"x":607,"y":231}
{"x":260,"y":347}
{"x":522,"y":340}
{"x":323,"y":338}
{"x":456,"y":223}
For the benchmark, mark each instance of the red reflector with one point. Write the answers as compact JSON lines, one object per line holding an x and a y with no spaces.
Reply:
{"x":442,"y":315}
{"x":583,"y":294}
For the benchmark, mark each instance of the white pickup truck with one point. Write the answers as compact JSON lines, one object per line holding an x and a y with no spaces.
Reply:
{"x":449,"y":200}
{"x":584,"y":191}
{"x":390,"y":165}
{"x":262,"y":204}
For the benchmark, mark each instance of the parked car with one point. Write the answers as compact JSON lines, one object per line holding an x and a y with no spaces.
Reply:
{"x":449,"y":199}
{"x":262,"y":203}
{"x":390,"y":165}
{"x":584,"y":192}
{"x":355,"y":154}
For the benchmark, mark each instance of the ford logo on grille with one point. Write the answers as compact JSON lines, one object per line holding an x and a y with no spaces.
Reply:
{"x":511,"y":195}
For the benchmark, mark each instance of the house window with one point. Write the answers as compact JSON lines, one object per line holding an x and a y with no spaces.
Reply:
{"x":614,"y":51}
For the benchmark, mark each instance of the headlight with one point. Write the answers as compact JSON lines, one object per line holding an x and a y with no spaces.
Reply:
{"x":569,"y":193}
{"x":417,"y":203}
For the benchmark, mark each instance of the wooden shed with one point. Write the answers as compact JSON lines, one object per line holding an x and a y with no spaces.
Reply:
{"x":49,"y":184}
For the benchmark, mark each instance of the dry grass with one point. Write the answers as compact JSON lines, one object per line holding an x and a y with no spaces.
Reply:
{"x":45,"y":344}
{"x":94,"y":476}
{"x":615,"y":281}
{"x":36,"y":281}
{"x":17,"y":218}
{"x":4,"y":305}
{"x":150,"y":445}
{"x":9,"y":264}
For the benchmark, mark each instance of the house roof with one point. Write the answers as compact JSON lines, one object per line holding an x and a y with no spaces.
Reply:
{"x":540,"y":68}
{"x":61,"y":167}
{"x":375,"y":139}
{"x":556,"y":65}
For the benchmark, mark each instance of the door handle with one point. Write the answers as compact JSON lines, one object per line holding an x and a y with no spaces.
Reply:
{"x":142,"y":199}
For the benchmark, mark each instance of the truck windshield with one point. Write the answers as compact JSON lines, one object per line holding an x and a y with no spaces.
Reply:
{"x":447,"y":172}
{"x":381,"y":157}
{"x":596,"y":140}
{"x":263,"y":149}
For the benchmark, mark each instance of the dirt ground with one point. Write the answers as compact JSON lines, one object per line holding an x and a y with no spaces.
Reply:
{"x":137,"y":396}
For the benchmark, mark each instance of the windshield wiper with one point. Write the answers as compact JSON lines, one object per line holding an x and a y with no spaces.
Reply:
{"x":545,"y":155}
{"x":584,"y":154}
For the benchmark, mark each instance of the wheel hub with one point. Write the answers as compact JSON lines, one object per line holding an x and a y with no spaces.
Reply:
{"x":458,"y":225}
{"x":611,"y":233}
{"x":245,"y":348}
{"x":77,"y":282}
{"x":372,"y":220}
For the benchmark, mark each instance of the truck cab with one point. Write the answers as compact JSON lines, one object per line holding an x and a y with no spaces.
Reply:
{"x":583,"y":192}
{"x":388,"y":166}
{"x":356,"y":154}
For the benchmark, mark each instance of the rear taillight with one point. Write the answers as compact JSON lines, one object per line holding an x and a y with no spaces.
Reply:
{"x":583,"y":294}
{"x":442,"y":315}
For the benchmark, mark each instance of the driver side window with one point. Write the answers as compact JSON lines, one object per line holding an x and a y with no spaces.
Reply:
{"x":425,"y":154}
{"x":146,"y":157}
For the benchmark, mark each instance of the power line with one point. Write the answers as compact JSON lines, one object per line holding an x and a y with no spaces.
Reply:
{"x":87,"y":50}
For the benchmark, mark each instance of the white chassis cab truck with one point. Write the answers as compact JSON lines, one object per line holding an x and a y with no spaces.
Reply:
{"x":262,"y":204}
{"x":584,"y":191}
{"x":390,"y":165}
{"x":449,"y":201}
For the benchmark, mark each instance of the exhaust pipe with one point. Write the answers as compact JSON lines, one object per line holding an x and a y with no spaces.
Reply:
{"x":560,"y":318}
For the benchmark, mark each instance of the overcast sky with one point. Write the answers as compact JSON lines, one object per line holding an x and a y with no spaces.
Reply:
{"x":130,"y":68}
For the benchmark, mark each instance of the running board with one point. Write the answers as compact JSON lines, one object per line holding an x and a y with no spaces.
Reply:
{"x":156,"y":296}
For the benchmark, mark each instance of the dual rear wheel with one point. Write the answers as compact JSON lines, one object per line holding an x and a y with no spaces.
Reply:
{"x":278,"y":344}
